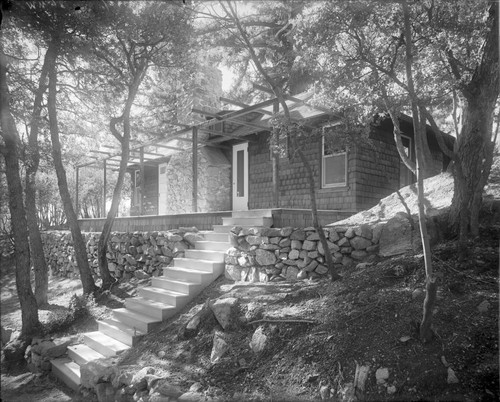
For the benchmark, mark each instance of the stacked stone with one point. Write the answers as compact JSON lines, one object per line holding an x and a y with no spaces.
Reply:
{"x":272,"y":254}
{"x":137,"y":254}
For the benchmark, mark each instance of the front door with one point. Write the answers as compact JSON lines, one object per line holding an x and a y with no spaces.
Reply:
{"x":240,"y":177}
{"x":162,"y":188}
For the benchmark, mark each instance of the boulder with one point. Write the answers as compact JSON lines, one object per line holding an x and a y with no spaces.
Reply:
{"x":226,"y":312}
{"x":96,"y":371}
{"x":219,"y":348}
{"x":364,"y":231}
{"x":291,"y":273}
{"x":360,"y":243}
{"x":233,"y":272}
{"x":298,"y":234}
{"x":259,"y":340}
{"x":398,"y":236}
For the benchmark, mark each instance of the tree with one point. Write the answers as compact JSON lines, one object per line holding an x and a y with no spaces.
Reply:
{"x":457,"y":68}
{"x":283,"y":125}
{"x":10,"y":152}
{"x":139,"y":37}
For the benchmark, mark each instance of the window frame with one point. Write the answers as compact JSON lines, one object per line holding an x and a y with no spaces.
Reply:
{"x":323,"y":159}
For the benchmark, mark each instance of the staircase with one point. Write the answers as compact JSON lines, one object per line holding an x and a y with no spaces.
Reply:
{"x":166,"y":296}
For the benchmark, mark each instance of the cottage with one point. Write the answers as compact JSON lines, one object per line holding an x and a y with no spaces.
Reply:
{"x":220,"y":160}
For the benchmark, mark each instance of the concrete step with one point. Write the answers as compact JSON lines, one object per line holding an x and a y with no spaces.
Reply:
{"x":253,"y":213}
{"x":205,"y":254}
{"x":255,"y":221}
{"x":104,"y":344}
{"x":120,"y":331}
{"x":171,"y":297}
{"x":212,"y":245}
{"x":67,"y":371}
{"x":82,"y":354}
{"x":142,"y":322}
{"x":175,"y":285}
{"x":187,"y":274}
{"x":198,"y":265}
{"x":160,"y":311}
{"x":214,"y":236}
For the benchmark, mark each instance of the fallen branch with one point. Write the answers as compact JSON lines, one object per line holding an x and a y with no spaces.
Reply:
{"x":298,"y":321}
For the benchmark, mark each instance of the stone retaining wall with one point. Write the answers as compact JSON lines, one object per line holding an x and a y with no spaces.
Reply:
{"x":271,"y":254}
{"x":137,"y":254}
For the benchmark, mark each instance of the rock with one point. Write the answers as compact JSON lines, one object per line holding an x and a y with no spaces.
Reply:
{"x":309,"y":245}
{"x":344,"y":242}
{"x":363,"y":265}
{"x":347,"y":261}
{"x":232,"y":272}
{"x":157,"y":397}
{"x":219,"y":348}
{"x":95,"y":371}
{"x":190,"y":397}
{"x":311,"y":266}
{"x":298,"y":235}
{"x":391,"y":390}
{"x":195,"y":387}
{"x":105,"y":392}
{"x":452,"y":378}
{"x":164,"y":387}
{"x":360,"y":377}
{"x":324,"y":392}
{"x":321,"y":269}
{"x":264,"y":257}
{"x":359,"y":254}
{"x":296,"y":245}
{"x":360,"y":243}
{"x":484,"y":306}
{"x":333,"y":235}
{"x":294,"y":254}
{"x":364,"y":231}
{"x":286,"y":232}
{"x":313,"y":236}
{"x":291,"y":273}
{"x":417,"y":294}
{"x":192,"y":238}
{"x":398,"y":237}
{"x":259,"y":340}
{"x":377,"y":232}
{"x":347,"y":393}
{"x":14,"y":350}
{"x":382,"y":374}
{"x":372,"y":249}
{"x":140,"y":274}
{"x":349,"y":233}
{"x":302,"y":274}
{"x":226,"y":312}
{"x":254,"y":240}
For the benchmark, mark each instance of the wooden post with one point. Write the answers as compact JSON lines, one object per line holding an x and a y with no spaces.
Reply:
{"x":275,"y":161}
{"x":141,"y":174}
{"x":77,"y":209}
{"x":104,"y":190}
{"x":195,"y":169}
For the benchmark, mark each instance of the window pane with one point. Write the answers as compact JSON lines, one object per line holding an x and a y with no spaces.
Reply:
{"x":240,"y":173}
{"x":334,"y":169}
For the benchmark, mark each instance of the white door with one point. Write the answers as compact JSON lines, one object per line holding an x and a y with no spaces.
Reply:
{"x":162,"y":189}
{"x":240,"y":177}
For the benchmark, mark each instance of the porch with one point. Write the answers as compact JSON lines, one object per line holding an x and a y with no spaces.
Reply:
{"x":281,"y":217}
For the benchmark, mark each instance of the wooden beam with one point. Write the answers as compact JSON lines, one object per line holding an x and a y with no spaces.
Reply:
{"x":169,"y":147}
{"x":195,"y":169}
{"x":243,"y":105}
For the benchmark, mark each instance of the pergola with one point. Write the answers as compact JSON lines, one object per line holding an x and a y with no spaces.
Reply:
{"x":221,"y":126}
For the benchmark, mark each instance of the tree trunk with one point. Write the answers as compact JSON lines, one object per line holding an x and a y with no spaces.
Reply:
{"x":102,"y":245}
{"x":473,"y":144}
{"x":78,"y":242}
{"x":29,"y":308}
{"x":33,"y":160}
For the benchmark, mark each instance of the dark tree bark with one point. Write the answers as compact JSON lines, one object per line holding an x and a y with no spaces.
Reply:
{"x":78,"y":242}
{"x":473,"y":147}
{"x":32,"y":162}
{"x":102,"y":245}
{"x":10,"y":151}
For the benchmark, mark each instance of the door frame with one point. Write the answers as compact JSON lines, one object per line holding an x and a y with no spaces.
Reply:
{"x":240,"y":203}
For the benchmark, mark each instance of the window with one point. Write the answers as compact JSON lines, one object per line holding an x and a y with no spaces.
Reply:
{"x":333,"y":164}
